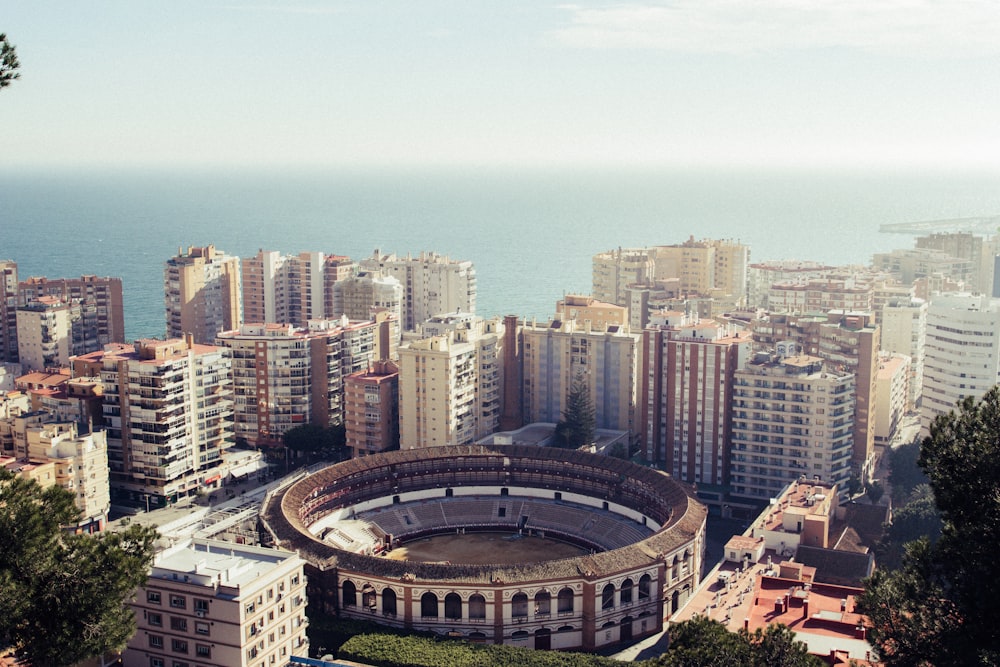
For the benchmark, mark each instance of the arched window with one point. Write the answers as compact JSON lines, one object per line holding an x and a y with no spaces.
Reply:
{"x":626,"y":591}
{"x":565,"y":601}
{"x":350,"y":594}
{"x":543,"y":603}
{"x":608,"y":597}
{"x":428,"y":605}
{"x":645,"y":583}
{"x":388,"y":602}
{"x":452,"y":606}
{"x":519,"y":605}
{"x":477,"y":606}
{"x":520,"y":635}
{"x":368,"y":597}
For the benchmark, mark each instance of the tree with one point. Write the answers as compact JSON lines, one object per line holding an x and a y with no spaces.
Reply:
{"x":316,"y":440}
{"x":904,"y":473}
{"x":874,"y":491}
{"x":938,"y":608}
{"x":580,"y":418}
{"x":64,"y":597}
{"x":916,"y":519}
{"x":702,"y":641}
{"x":8,"y":62}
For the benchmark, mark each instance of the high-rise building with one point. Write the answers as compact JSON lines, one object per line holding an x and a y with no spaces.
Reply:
{"x":371,"y":409}
{"x":432,"y":284}
{"x":891,"y":396}
{"x":451,"y":386}
{"x":965,"y":246}
{"x":103,"y":294}
{"x":220,"y":604}
{"x":8,"y":311}
{"x":358,"y":297}
{"x":819,"y":295}
{"x":904,"y":331}
{"x":202,"y":294}
{"x":50,"y":331}
{"x":168,"y":407}
{"x":791,"y":419}
{"x":765,"y":274}
{"x":716,"y":268}
{"x":684,"y":402}
{"x":558,"y":354}
{"x":907,"y":265}
{"x":614,"y":270}
{"x":848,"y":343}
{"x":285,"y":376}
{"x":962,"y":354}
{"x":291,"y":289}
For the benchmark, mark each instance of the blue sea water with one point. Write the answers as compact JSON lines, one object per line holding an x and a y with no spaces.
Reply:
{"x":531,"y":232}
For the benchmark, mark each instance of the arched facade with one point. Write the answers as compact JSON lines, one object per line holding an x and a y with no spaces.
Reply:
{"x":586,"y":602}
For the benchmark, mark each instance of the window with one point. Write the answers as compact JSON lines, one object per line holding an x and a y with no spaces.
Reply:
{"x":519,"y":605}
{"x":156,"y":662}
{"x":201,"y":628}
{"x":178,"y":601}
{"x":477,"y":606}
{"x":179,"y":624}
{"x":154,"y":619}
{"x":428,"y":605}
{"x":644,"y":585}
{"x":608,"y":597}
{"x":155,"y":641}
{"x":350,"y":597}
{"x":153,"y":597}
{"x":200,"y":605}
{"x":179,"y":646}
{"x":452,"y":606}
{"x":203,"y":651}
{"x":566,"y":601}
{"x":626,"y":591}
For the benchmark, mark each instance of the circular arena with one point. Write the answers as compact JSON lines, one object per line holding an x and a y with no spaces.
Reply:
{"x":638,"y":533}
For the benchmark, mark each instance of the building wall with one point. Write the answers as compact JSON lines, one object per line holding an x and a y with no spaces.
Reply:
{"x":371,"y":409}
{"x":891,"y":396}
{"x":104,"y":294}
{"x":202,"y":294}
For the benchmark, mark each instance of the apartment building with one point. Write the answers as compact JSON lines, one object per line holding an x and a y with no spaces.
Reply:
{"x":8,"y":311}
{"x":904,"y":331}
{"x":220,"y":604}
{"x":168,"y":408}
{"x":291,"y":289}
{"x":706,"y":267}
{"x":763,"y":275}
{"x":965,"y":246}
{"x":685,"y":380}
{"x":583,"y":309}
{"x":360,"y":296}
{"x":612,"y":271}
{"x":791,"y":418}
{"x":371,"y":409}
{"x":908,"y":264}
{"x":432,"y":284}
{"x":556,"y":354}
{"x":962,"y":352}
{"x":818,"y":295}
{"x":891,"y":396}
{"x":451,"y":386}
{"x":848,"y":342}
{"x":202,"y":293}
{"x":104,"y":294}
{"x":50,"y":331}
{"x":285,"y":376}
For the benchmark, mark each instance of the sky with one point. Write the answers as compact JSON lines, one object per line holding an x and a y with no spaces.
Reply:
{"x":869,"y":83}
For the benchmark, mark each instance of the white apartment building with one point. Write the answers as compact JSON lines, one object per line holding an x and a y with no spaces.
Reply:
{"x":432,"y":284}
{"x":285,"y":376}
{"x":555,"y":354}
{"x":368,"y":292}
{"x":50,"y":330}
{"x":291,"y":289}
{"x":904,"y":331}
{"x":962,"y":353}
{"x":168,"y":409}
{"x":614,"y":270}
{"x":451,"y":386}
{"x":220,"y":604}
{"x":791,"y":418}
{"x":764,"y":274}
{"x":820,"y":295}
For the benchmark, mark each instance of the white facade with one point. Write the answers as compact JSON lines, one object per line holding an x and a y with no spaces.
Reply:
{"x":451,"y":386}
{"x":221,"y":604}
{"x":432,"y":284}
{"x":962,"y":354}
{"x":358,"y":297}
{"x":614,"y":270}
{"x":891,"y":394}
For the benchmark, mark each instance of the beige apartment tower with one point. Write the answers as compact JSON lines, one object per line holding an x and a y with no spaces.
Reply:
{"x":202,"y":294}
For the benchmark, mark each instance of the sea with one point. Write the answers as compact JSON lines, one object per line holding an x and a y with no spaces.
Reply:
{"x":531,"y":232}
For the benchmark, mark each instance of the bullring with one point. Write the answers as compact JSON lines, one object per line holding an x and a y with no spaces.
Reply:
{"x":645,"y":531}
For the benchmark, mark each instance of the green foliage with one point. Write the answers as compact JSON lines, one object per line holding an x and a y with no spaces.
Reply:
{"x":874,"y":491}
{"x":63,"y":596}
{"x":904,"y":472}
{"x":579,"y":423}
{"x":916,"y":519}
{"x":382,"y":650}
{"x":854,"y":485}
{"x":939,"y":607}
{"x":313,"y":439}
{"x":8,"y":62}
{"x":704,"y":642}
{"x":328,"y":633}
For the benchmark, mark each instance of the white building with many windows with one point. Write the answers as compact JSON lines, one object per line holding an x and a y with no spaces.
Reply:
{"x":211,"y":603}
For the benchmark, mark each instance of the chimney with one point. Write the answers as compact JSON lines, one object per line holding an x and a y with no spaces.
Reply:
{"x":805,"y":608}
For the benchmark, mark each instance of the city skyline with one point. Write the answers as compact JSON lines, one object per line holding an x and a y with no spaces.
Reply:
{"x":340,"y":83}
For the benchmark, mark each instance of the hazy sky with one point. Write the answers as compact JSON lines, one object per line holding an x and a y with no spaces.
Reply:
{"x":842,"y":82}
